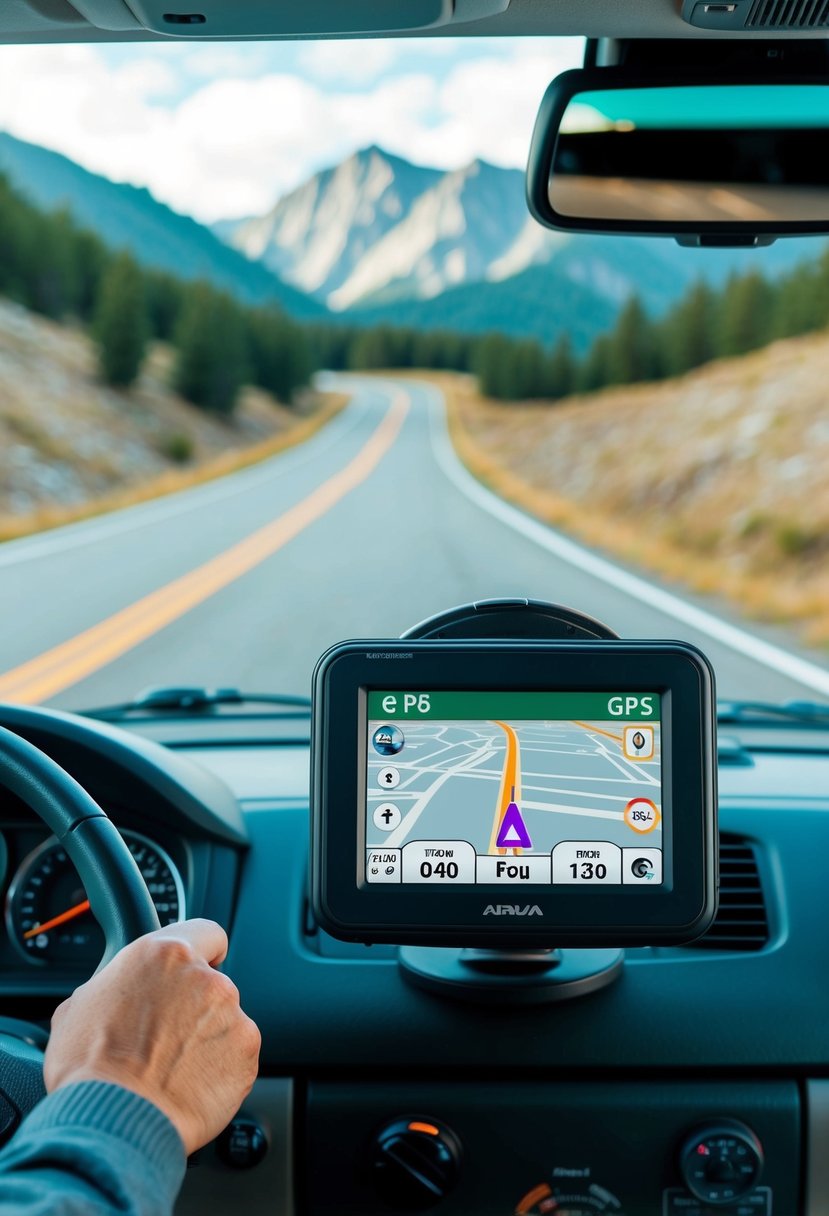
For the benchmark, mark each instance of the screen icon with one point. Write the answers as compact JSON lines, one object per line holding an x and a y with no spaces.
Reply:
{"x":383,"y":865}
{"x":388,"y":778}
{"x":642,"y":867}
{"x":388,"y":740}
{"x":642,"y":815}
{"x":638,"y":743}
{"x":386,"y":817}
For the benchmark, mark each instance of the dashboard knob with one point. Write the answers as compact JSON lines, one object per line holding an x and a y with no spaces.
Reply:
{"x":721,"y":1162}
{"x":415,"y":1163}
{"x":242,"y":1144}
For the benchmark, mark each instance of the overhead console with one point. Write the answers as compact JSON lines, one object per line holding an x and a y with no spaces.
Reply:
{"x":283,"y":18}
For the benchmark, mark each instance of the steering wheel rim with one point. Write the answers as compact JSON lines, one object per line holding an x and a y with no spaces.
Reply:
{"x":117,"y":893}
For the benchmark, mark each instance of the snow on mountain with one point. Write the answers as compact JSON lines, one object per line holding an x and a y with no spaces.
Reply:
{"x":380,"y":238}
{"x":316,"y":236}
{"x":378,"y":227}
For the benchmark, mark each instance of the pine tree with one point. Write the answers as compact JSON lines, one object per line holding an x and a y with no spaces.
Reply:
{"x":165,"y":296}
{"x":561,"y":370}
{"x":688,"y":332}
{"x":745,"y":314}
{"x":17,"y":238}
{"x":529,"y":362}
{"x":372,"y":348}
{"x":211,"y":366}
{"x":120,"y":323}
{"x":594,"y":371}
{"x":821,"y":302}
{"x":92,"y":260}
{"x":798,"y":307}
{"x":630,"y":353}
{"x":52,"y":283}
{"x":495,"y":367}
{"x":280,"y":355}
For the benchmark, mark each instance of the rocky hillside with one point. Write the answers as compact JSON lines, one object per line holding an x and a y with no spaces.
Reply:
{"x":717,"y":479}
{"x":66,"y":440}
{"x":381,"y":240}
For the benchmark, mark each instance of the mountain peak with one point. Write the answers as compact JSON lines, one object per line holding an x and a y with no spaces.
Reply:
{"x":478,"y":167}
{"x":377,"y":231}
{"x":364,"y":156}
{"x":371,"y":150}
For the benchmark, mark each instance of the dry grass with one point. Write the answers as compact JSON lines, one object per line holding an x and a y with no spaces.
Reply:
{"x":716,"y":481}
{"x":72,"y":447}
{"x":45,"y":517}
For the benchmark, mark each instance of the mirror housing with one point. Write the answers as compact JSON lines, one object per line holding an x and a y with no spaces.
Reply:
{"x":722,"y":160}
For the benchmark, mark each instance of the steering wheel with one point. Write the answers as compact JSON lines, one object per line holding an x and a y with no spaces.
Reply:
{"x":118,"y":897}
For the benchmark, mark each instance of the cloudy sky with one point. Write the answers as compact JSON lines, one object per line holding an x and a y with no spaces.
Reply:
{"x":223,"y":130}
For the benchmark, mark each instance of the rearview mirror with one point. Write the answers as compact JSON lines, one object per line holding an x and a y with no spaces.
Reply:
{"x":738,"y":162}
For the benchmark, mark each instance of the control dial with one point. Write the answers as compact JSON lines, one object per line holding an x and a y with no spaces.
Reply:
{"x":415,"y":1162}
{"x":722,"y":1162}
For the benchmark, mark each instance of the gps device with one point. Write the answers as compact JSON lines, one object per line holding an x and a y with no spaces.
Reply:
{"x":510,"y":793}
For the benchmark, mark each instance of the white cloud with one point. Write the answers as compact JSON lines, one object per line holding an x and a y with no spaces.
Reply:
{"x":230,"y":145}
{"x":488,"y":106}
{"x":148,"y":78}
{"x":209,"y":60}
{"x":349,"y":62}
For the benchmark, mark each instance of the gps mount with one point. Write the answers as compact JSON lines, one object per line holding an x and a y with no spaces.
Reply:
{"x":510,"y":977}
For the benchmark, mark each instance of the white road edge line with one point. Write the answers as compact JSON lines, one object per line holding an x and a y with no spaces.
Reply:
{"x":788,"y":664}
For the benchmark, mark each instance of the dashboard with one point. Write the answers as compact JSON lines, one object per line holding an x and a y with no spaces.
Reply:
{"x":697,"y":1083}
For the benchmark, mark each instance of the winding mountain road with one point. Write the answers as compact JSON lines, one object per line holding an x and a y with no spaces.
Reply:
{"x":370,"y":526}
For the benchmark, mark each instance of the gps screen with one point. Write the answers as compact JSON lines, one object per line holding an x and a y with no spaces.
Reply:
{"x":534,"y":788}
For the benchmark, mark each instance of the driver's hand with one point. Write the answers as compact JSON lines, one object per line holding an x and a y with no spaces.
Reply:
{"x":159,"y":1020}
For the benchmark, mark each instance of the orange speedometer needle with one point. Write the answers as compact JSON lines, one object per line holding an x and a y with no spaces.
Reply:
{"x":69,"y":914}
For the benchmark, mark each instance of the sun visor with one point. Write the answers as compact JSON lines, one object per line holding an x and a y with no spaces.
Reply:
{"x":197,"y":19}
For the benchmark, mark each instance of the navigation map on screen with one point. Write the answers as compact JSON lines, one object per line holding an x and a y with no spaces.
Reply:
{"x":529,"y":788}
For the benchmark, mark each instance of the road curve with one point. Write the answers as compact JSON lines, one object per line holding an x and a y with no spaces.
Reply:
{"x":368,"y":527}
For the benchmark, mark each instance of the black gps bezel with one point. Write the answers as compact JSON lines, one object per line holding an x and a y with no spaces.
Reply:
{"x":681,"y":909}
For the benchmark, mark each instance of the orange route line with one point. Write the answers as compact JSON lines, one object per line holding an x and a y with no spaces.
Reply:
{"x":509,"y":791}
{"x":597,"y":730}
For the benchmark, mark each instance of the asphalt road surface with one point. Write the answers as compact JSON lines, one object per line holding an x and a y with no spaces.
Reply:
{"x":366,"y":529}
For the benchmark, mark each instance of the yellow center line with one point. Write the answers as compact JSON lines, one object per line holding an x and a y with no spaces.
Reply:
{"x":63,"y":665}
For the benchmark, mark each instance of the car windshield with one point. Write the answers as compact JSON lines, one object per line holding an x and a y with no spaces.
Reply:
{"x":285,"y":360}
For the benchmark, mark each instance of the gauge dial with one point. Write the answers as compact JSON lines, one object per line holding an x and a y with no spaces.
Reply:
{"x":47,"y":912}
{"x":544,"y":1198}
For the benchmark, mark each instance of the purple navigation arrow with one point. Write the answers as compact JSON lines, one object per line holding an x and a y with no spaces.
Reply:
{"x":513,"y":834}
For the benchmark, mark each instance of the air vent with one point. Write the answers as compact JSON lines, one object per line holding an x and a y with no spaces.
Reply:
{"x":789,"y":15}
{"x":742,"y":922}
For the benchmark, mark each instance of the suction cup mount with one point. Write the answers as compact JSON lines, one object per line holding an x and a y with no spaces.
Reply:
{"x":510,"y":977}
{"x":519,"y":619}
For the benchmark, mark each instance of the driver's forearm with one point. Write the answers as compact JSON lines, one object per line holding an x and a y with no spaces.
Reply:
{"x":92,"y":1149}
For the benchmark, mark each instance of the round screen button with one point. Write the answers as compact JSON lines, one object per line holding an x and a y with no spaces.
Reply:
{"x":388,"y":740}
{"x":387,"y":817}
{"x":388,"y":778}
